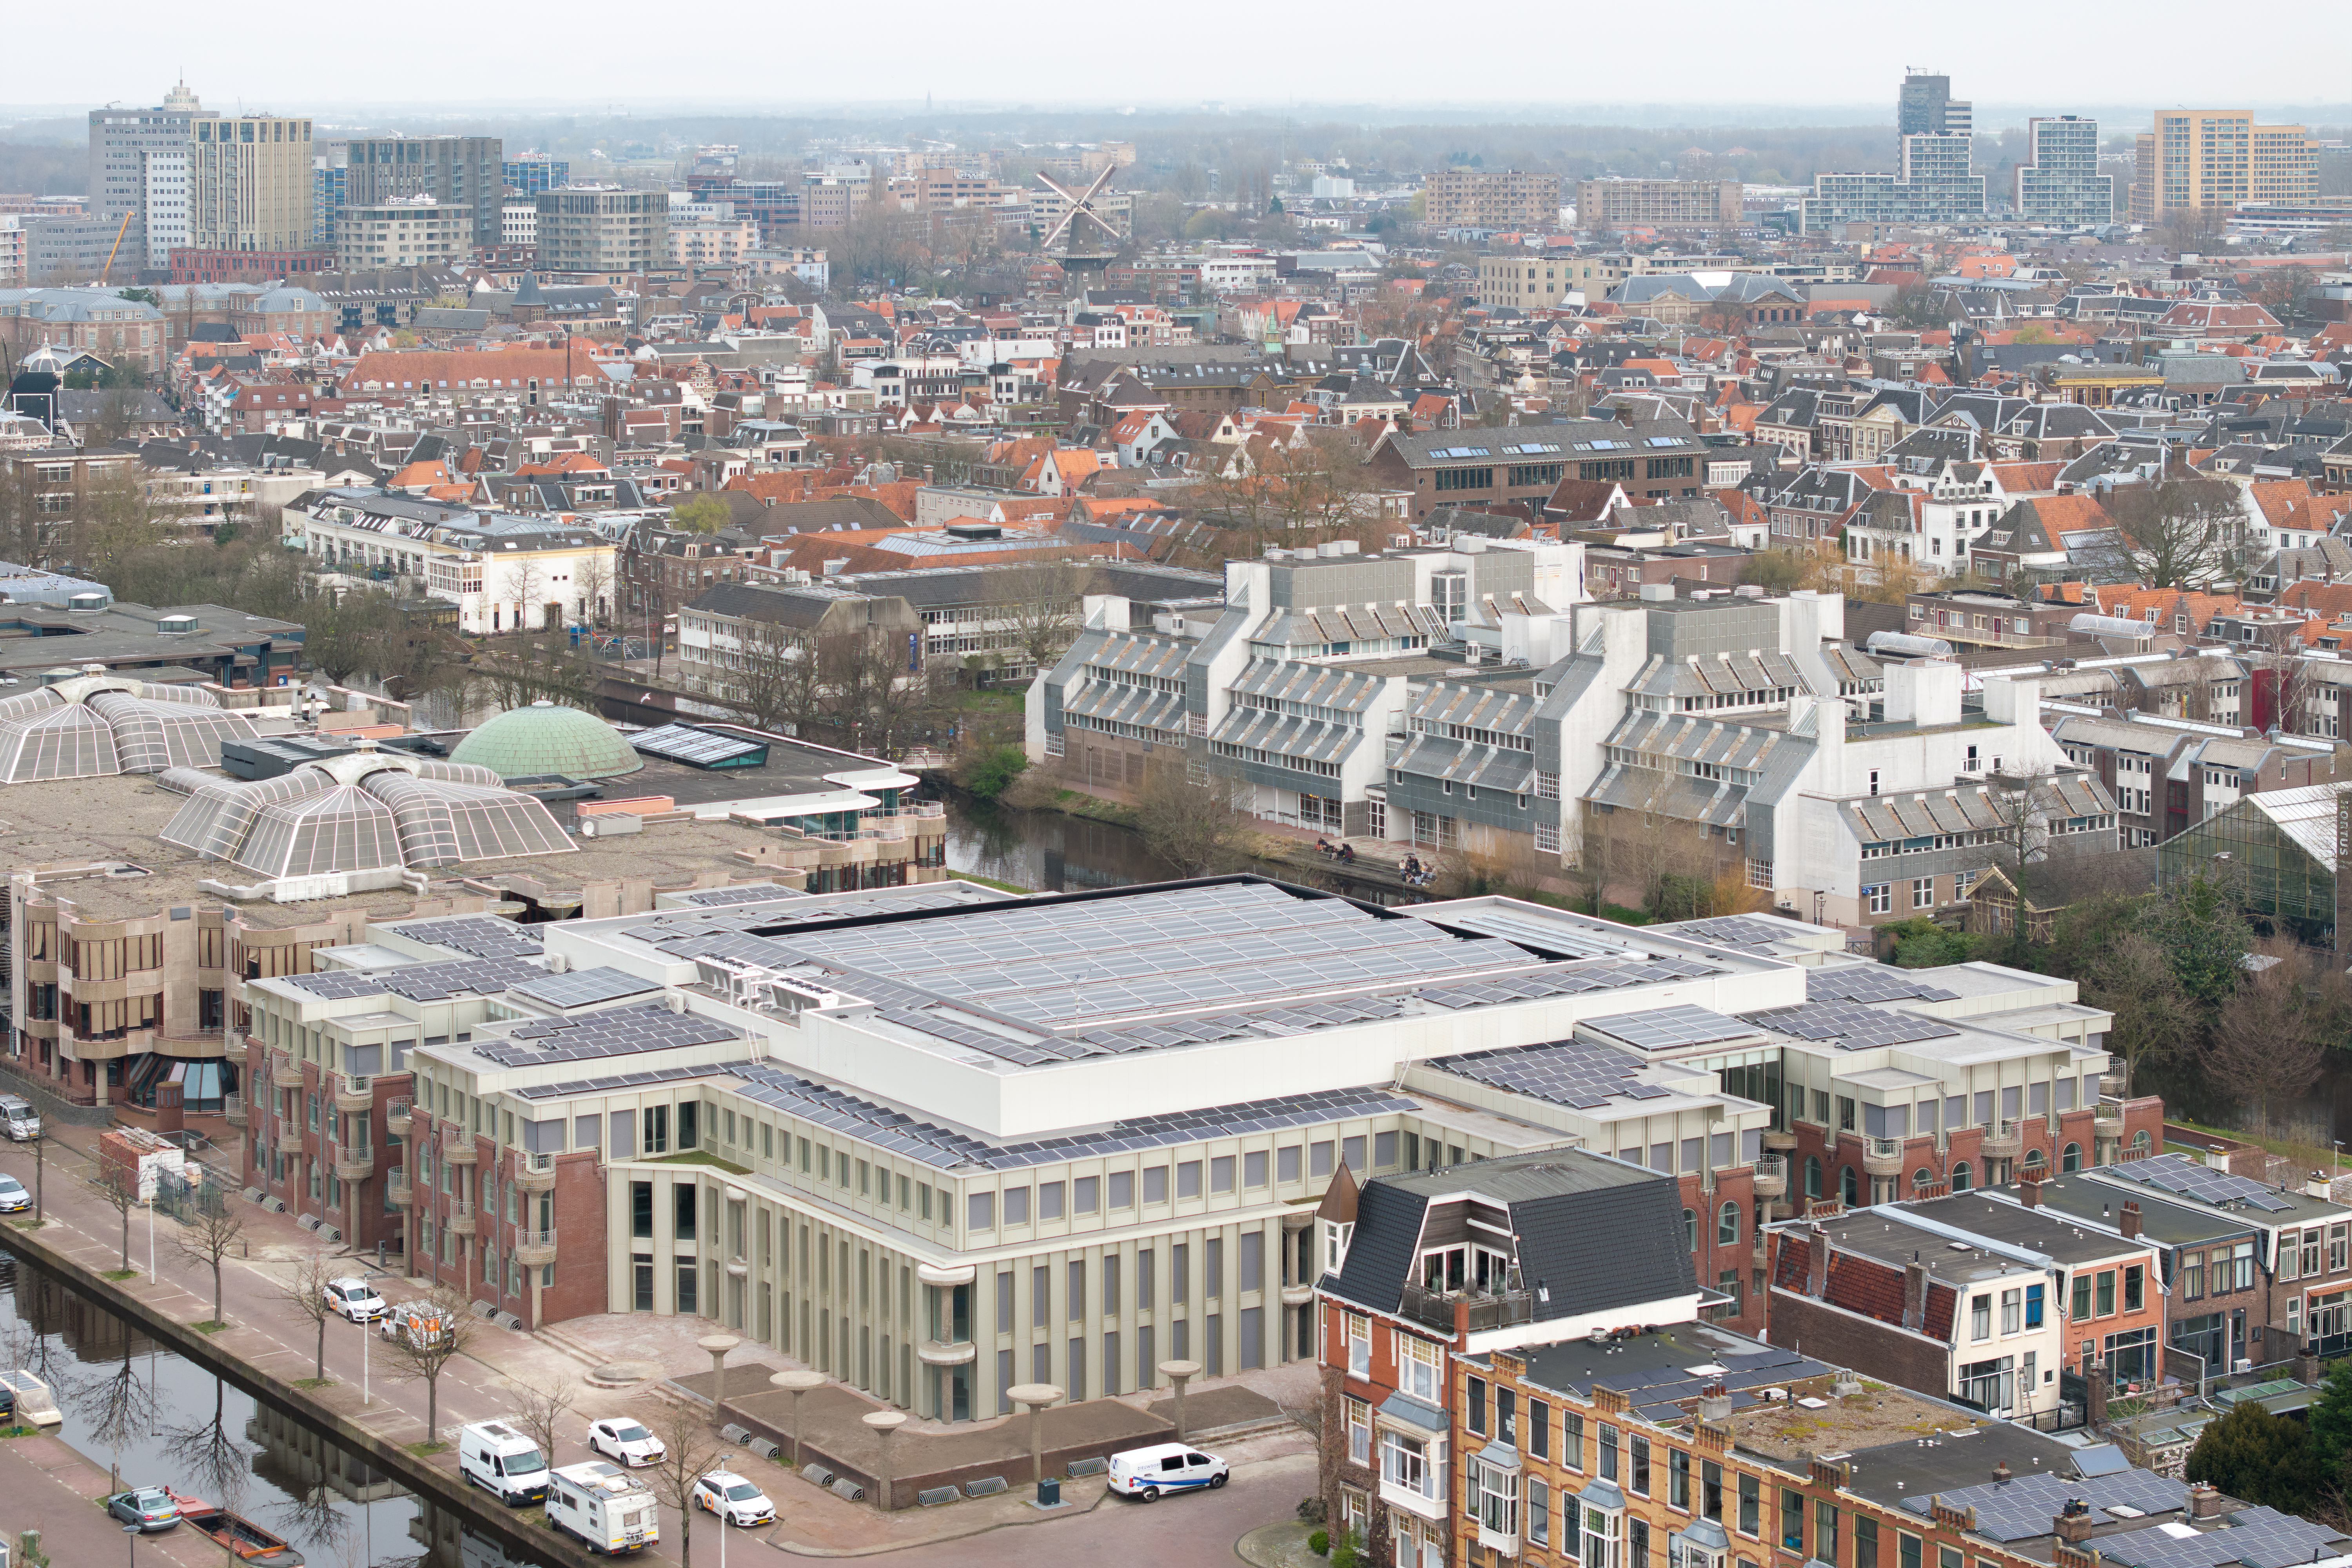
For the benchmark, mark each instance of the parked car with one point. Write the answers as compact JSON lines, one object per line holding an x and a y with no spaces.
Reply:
{"x":356,"y":1299}
{"x":13,"y":1195}
{"x":18,"y":1119}
{"x":1144,"y":1473}
{"x":625,"y":1440}
{"x":150,"y":1508}
{"x":734,"y":1498}
{"x":503,"y":1462}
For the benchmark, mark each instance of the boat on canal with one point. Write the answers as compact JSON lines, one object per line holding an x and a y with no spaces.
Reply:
{"x":238,"y":1535}
{"x":32,"y":1400}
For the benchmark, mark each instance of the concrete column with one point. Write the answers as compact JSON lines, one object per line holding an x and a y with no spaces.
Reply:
{"x":1035,"y":1396}
{"x":1179,"y":1373}
{"x":718,"y":1345}
{"x":797,"y":1384}
{"x":886,"y":1425}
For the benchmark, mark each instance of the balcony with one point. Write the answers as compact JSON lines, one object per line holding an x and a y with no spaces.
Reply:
{"x":938,"y":1352}
{"x":739,"y":1269}
{"x":2109,"y":1121}
{"x":535,"y":1173}
{"x":399,"y":1115}
{"x":2003,"y":1139}
{"x":396,"y":1183}
{"x":534,"y":1248}
{"x":354,"y":1163}
{"x":461,"y":1219}
{"x":1780,"y":1140}
{"x":458,"y":1149}
{"x":1488,"y":1311}
{"x":353,"y":1095}
{"x":1883,"y":1156}
{"x":1771,"y":1176}
{"x":232,"y":1107}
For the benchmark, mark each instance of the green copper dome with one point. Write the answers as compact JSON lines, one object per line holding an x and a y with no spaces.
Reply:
{"x":546,"y":739}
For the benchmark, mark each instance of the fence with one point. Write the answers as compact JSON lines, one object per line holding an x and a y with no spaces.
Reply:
{"x":183,"y":1197}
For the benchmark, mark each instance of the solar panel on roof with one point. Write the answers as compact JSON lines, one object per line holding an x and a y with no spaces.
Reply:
{"x":700,"y":748}
{"x":483,"y":936}
{"x":1664,"y":1028}
{"x":2179,"y":1174}
{"x":1870,"y":982}
{"x":583,"y":987}
{"x":1853,"y":1026}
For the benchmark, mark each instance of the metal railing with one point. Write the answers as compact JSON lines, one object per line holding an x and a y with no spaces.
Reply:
{"x":524,"y":1238}
{"x":1883,"y":1148}
{"x":538,"y":1165}
{"x":1497,"y":1310}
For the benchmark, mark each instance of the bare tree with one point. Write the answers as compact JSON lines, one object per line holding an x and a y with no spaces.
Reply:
{"x":304,"y":1288}
{"x":208,"y":1454}
{"x":1035,"y":607}
{"x":592,"y":588}
{"x":1199,"y":824}
{"x":542,"y":1400}
{"x":2133,"y":978}
{"x":208,"y":1232}
{"x":438,"y":1330}
{"x":119,"y":1188}
{"x":1287,"y":494}
{"x":2182,"y":533}
{"x":773,"y":678}
{"x":690,"y":1452}
{"x":522,"y":585}
{"x":120,"y":1406}
{"x":114,"y":520}
{"x":2264,"y":1043}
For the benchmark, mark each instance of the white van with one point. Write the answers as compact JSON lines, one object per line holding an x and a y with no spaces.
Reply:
{"x":18,"y":1119}
{"x":604,"y":1506}
{"x":502,"y":1462}
{"x":1144,"y":1473}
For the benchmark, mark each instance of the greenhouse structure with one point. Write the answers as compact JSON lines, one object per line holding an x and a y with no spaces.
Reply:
{"x":2280,"y":851}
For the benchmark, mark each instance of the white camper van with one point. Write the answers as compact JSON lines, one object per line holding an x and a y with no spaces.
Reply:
{"x":605,"y":1506}
{"x":502,"y":1462}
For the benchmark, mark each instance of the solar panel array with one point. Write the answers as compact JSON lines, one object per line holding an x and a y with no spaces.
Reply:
{"x":1667,"y":1029}
{"x":943,"y":1149}
{"x":2021,"y":1508}
{"x":583,"y":987}
{"x":616,"y":1081}
{"x":422,"y":982}
{"x":1564,"y":1072}
{"x":697,"y":747}
{"x":617,"y":1031}
{"x":2180,"y":1173}
{"x":2258,"y":1537}
{"x":1730,"y":930}
{"x":1853,"y":1026}
{"x":1552,"y":939}
{"x":748,"y":893}
{"x":484,"y":936}
{"x":1871,"y":983}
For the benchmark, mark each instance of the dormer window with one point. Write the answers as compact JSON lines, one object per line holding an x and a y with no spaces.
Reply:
{"x":1336,"y":1238}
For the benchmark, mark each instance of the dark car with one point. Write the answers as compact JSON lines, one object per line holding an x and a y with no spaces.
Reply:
{"x":149,"y":1508}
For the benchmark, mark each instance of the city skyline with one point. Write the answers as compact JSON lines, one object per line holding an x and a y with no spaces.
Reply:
{"x":1717,"y":70}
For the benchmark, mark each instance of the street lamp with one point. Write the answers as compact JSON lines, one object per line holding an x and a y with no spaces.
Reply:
{"x":726,"y":1514}
{"x":130,"y":1543}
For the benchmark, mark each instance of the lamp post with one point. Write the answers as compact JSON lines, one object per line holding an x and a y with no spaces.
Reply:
{"x":131,"y":1543}
{"x":886,"y":1425}
{"x":718,"y":1345}
{"x":726,"y":1513}
{"x":797,"y":1384}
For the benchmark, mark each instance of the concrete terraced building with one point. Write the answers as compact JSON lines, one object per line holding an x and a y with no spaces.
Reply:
{"x":938,"y":1142}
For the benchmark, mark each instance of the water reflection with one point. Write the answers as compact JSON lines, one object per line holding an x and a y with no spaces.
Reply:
{"x":151,"y":1416}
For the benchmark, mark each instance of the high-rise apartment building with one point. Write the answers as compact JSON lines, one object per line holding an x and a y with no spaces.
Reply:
{"x":1473,"y":198}
{"x":1935,"y":157}
{"x":404,"y":231}
{"x":466,"y":172}
{"x":252,"y":185}
{"x":603,"y":229}
{"x":1659,"y":204}
{"x":2216,"y":158}
{"x":331,"y":188}
{"x":139,"y":172}
{"x":534,"y":172}
{"x":2060,"y":182}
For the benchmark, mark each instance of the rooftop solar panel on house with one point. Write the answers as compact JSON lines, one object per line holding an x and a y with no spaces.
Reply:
{"x":2179,"y":1174}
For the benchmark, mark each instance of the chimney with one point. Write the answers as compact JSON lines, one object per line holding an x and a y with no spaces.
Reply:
{"x":1817,"y":1260}
{"x":1999,"y":1471}
{"x":2204,"y":1502}
{"x":2073,"y":1523}
{"x":2029,"y":1192}
{"x":1714,"y":1401}
{"x":1914,"y":1294}
{"x":2128,"y":1221}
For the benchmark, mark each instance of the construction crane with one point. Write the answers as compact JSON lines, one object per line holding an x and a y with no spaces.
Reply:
{"x":117,"y":249}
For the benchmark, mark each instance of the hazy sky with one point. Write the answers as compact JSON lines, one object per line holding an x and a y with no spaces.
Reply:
{"x":2049,"y":55}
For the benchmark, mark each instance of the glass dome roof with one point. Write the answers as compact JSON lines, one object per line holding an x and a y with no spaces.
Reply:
{"x":546,"y":739}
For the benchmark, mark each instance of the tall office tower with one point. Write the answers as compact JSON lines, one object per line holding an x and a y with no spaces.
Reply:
{"x":465,"y":172}
{"x":2216,"y":158}
{"x":1925,"y":105}
{"x":139,"y":157}
{"x":2060,"y":182}
{"x":536,"y":172}
{"x":252,"y":185}
{"x":331,"y":184}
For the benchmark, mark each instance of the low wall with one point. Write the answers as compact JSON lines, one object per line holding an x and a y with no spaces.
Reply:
{"x":54,"y":1106}
{"x":515,"y":1530}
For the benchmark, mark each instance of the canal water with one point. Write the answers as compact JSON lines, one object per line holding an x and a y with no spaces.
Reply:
{"x":152,"y":1417}
{"x":1054,"y":853}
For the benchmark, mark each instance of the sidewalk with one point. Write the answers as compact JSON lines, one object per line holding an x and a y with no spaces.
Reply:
{"x":642,"y":1358}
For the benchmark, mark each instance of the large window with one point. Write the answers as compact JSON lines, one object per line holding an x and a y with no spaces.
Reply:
{"x":1417,"y":1367}
{"x":1498,"y":1499}
{"x":1360,"y":1345}
{"x":1404,"y":1464}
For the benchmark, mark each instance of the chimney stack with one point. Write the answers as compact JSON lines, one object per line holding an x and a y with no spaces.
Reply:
{"x":1999,"y":1471}
{"x":1714,"y":1401}
{"x":2073,"y":1523}
{"x":1914,"y":1294}
{"x":2204,"y":1502}
{"x":1817,"y":1262}
{"x":2029,"y":1192}
{"x":2128,"y":1221}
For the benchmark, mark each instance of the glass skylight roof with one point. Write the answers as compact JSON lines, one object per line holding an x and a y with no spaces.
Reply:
{"x":95,"y":726}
